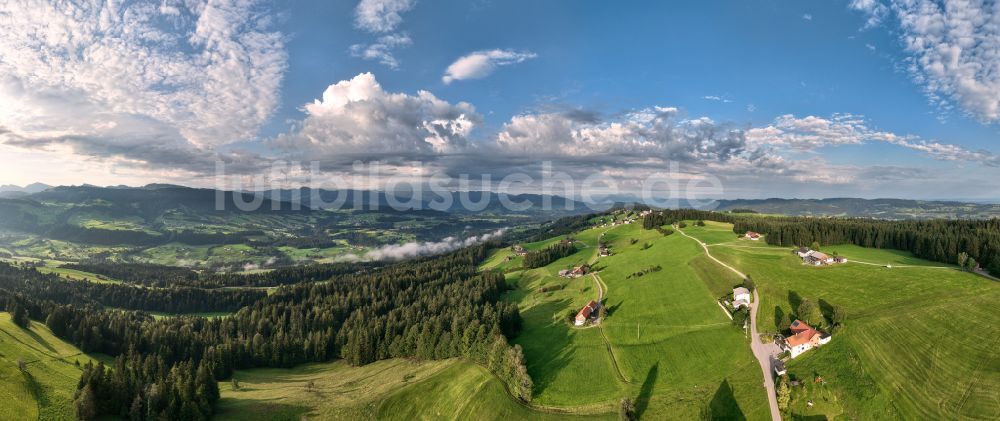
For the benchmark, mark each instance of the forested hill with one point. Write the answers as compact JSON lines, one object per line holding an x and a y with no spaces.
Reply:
{"x":872,"y":208}
{"x":431,"y":308}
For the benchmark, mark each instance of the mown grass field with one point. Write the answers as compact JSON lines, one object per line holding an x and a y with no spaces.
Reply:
{"x":920,"y":341}
{"x":76,"y":275}
{"x":666,"y":343}
{"x":384,"y":390}
{"x":45,"y":390}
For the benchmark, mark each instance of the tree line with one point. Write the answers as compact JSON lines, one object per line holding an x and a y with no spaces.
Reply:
{"x":162,"y":276}
{"x":139,"y":387}
{"x":937,"y":239}
{"x":28,"y":281}
{"x":539,"y":258}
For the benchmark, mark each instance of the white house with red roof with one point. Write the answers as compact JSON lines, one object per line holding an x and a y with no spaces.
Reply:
{"x":585,"y":313}
{"x":804,"y":338}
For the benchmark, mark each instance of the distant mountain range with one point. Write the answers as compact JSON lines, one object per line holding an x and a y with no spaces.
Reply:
{"x":10,"y":190}
{"x":872,"y":208}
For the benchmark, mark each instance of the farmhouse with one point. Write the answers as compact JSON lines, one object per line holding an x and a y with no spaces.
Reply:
{"x":605,"y":251}
{"x":564,"y":273}
{"x":741,"y":297}
{"x":579,"y":271}
{"x":519,"y":250}
{"x":816,"y":258}
{"x":804,"y":338}
{"x":753,"y":235}
{"x":586,"y":312}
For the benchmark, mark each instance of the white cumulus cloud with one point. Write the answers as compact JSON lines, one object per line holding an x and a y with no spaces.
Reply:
{"x":357,"y":116}
{"x":480,"y":64}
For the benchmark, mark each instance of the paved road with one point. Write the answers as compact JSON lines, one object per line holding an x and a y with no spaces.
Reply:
{"x":763,"y":352}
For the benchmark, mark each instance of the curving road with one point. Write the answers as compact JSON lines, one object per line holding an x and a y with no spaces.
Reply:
{"x":760,"y":350}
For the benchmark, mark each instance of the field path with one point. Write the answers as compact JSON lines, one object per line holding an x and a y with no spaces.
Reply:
{"x":759,"y":350}
{"x":600,"y":327}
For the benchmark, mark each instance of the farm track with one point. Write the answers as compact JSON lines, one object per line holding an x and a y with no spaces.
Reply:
{"x":607,"y":344}
{"x":763,"y":358}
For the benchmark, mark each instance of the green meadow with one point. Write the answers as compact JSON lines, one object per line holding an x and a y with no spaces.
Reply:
{"x":920,"y":340}
{"x":666,"y":344}
{"x":44,"y":391}
{"x":385,"y":390}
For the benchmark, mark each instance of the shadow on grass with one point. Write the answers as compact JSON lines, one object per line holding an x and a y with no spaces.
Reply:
{"x":547,"y":347}
{"x":40,"y":340}
{"x":723,"y":405}
{"x":779,"y":314}
{"x":794,"y":299}
{"x":646,"y":391}
{"x":253,"y":409}
{"x":826,"y":308}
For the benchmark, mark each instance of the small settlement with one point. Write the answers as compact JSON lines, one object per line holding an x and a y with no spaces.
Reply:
{"x":750,"y":235}
{"x":816,"y":258}
{"x":804,"y":338}
{"x":586,"y":313}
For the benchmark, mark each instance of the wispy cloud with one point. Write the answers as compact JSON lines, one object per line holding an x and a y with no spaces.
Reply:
{"x":381,"y":15}
{"x":954,"y":48}
{"x":135,"y":82}
{"x":807,"y":16}
{"x":811,"y":133}
{"x":480,"y":64}
{"x":382,"y":49}
{"x":716,"y":98}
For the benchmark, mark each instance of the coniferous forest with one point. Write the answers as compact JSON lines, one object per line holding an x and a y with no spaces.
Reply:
{"x":429,"y":308}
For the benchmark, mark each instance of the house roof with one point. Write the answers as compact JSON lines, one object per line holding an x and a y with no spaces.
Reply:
{"x":802,"y":337}
{"x":586,"y":310}
{"x":803,"y":333}
{"x":818,"y":255}
{"x":740,"y":290}
{"x":799,"y":326}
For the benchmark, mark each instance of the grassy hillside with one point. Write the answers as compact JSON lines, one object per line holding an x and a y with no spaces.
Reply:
{"x":45,"y":390}
{"x":462,"y":392}
{"x":384,"y":390}
{"x":665,"y":343}
{"x":920,"y":341}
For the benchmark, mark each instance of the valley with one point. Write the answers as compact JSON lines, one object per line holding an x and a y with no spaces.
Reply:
{"x":662,"y":341}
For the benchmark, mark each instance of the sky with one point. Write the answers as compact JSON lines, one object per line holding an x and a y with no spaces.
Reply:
{"x":734,"y":99}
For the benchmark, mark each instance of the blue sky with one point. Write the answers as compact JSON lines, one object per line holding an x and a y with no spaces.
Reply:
{"x":776,"y":98}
